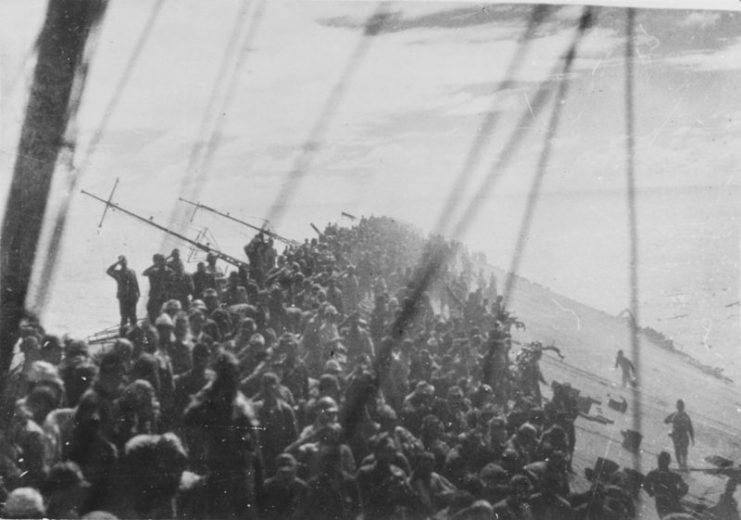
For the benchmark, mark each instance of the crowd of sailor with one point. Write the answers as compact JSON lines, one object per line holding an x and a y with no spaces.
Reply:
{"x":287,"y":390}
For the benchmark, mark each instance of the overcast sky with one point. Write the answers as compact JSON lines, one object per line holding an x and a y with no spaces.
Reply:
{"x":412,"y":106}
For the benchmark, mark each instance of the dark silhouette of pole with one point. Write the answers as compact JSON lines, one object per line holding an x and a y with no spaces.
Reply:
{"x":632,"y":226}
{"x":77,"y":172}
{"x":51,"y":104}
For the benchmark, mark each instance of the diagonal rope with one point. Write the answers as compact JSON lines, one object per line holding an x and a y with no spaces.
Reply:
{"x":632,"y":224}
{"x":491,"y":119}
{"x":534,"y":192}
{"x":317,"y":135}
{"x":521,"y":129}
{"x":227,"y":69}
{"x":437,"y":259}
{"x":200,"y":171}
{"x":76,"y":173}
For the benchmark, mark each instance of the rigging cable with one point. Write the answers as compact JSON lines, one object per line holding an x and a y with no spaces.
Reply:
{"x":500,"y":164}
{"x":315,"y":140}
{"x":199,"y":171}
{"x":227,"y":69}
{"x":437,"y":259}
{"x":76,"y":173}
{"x":536,"y":105}
{"x":632,"y":224}
{"x":534,"y":192}
{"x":490,"y":120}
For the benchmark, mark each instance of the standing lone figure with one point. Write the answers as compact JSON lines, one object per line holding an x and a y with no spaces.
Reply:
{"x":666,"y":487}
{"x":127,"y":291}
{"x":682,"y":433}
{"x":160,"y":277}
{"x":629,"y":371}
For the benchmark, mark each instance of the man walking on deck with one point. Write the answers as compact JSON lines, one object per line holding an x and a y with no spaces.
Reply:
{"x":127,"y":291}
{"x":682,"y":433}
{"x":627,"y":367}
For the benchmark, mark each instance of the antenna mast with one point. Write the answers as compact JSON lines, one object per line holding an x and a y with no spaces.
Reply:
{"x":276,"y":236}
{"x":203,"y":247}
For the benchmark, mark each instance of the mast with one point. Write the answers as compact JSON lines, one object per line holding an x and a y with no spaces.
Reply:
{"x":55,"y":94}
{"x":203,"y":247}
{"x":276,"y":236}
